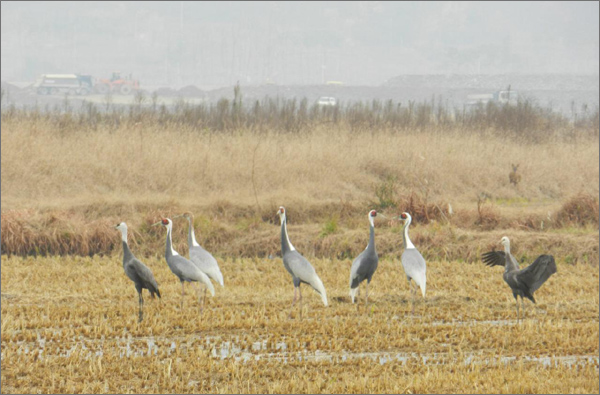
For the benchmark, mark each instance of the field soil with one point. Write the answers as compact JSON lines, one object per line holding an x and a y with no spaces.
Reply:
{"x":70,"y":325}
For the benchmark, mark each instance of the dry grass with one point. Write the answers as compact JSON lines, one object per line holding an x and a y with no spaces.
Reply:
{"x":46,"y":167}
{"x":70,"y":325}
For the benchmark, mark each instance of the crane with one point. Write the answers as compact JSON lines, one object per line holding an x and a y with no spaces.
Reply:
{"x":365,"y":264}
{"x":137,"y":272}
{"x":198,"y":255}
{"x":522,"y":282}
{"x":183,"y":268}
{"x":300,"y":269}
{"x":413,"y":262}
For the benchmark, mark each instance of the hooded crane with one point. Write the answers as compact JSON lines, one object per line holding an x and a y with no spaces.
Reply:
{"x":139,"y":273}
{"x":199,"y":256}
{"x":180,"y":266}
{"x":413,"y":262}
{"x":300,"y":269}
{"x":365,"y":264}
{"x":523,"y":282}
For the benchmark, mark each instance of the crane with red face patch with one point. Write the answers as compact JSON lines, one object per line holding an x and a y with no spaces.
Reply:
{"x":183,"y":268}
{"x":299,"y":268}
{"x":364,"y":266}
{"x":413,"y":262}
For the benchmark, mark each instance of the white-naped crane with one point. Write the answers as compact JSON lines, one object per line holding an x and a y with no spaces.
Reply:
{"x":300,"y":268}
{"x":183,"y":268}
{"x":522,"y":282}
{"x":413,"y":262}
{"x":137,"y":272}
{"x":365,"y":264}
{"x":198,"y":255}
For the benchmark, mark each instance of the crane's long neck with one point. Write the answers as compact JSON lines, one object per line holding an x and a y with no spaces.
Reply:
{"x":406,"y":240}
{"x":191,"y":235}
{"x":371,"y":244}
{"x":286,"y":246}
{"x":509,"y":265}
{"x":127,"y":255}
{"x":169,"y":250}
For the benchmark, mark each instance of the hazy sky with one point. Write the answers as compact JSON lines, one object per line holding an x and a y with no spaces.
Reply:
{"x":212,"y":44}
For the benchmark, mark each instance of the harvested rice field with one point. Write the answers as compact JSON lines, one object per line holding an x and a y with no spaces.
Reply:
{"x":69,"y":324}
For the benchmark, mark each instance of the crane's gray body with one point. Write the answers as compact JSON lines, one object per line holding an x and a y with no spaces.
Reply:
{"x":364,"y":265}
{"x":183,"y":268}
{"x":139,"y":273}
{"x":299,"y":267}
{"x":522,"y":282}
{"x":202,"y":258}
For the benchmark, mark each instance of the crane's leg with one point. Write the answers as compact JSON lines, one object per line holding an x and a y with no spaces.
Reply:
{"x":518,"y":312}
{"x":182,"y":295}
{"x":141,"y":307}
{"x":300,"y":300}
{"x":200,"y":299}
{"x":293,"y":302}
{"x":367,"y":298}
{"x":413,"y":291}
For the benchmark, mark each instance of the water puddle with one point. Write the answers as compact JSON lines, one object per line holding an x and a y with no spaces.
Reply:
{"x":233,"y":348}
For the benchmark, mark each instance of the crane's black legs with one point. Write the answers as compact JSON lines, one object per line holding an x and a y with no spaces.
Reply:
{"x":413,"y":291}
{"x":367,"y":298}
{"x":200,"y":298}
{"x":182,"y":295}
{"x":300,"y":300}
{"x":293,"y":302}
{"x":141,"y":307}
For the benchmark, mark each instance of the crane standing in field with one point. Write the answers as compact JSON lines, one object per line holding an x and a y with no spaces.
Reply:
{"x":300,"y":269}
{"x":184,"y":269}
{"x":365,"y":264}
{"x":139,"y":273}
{"x":199,"y":256}
{"x":523,"y":282}
{"x":412,"y":261}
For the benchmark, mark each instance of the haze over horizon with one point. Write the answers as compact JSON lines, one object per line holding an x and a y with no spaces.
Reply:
{"x":211,"y":44}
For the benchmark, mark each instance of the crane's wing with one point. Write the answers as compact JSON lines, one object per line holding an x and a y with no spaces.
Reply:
{"x":355,"y":273}
{"x":207,"y":263}
{"x":139,"y":272}
{"x":494,"y":258}
{"x":497,"y":258}
{"x":305,"y":272}
{"x":300,"y":266}
{"x":414,"y":264}
{"x":538,"y":272}
{"x":363,"y":267}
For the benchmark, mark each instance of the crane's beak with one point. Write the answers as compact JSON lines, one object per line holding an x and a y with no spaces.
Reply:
{"x":177,"y":216}
{"x":158,"y":223}
{"x":381,"y":215}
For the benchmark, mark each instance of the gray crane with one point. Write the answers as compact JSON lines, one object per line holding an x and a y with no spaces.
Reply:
{"x":137,"y":272}
{"x":202,"y":258}
{"x":413,"y":262}
{"x":523,"y":282}
{"x":300,"y":269}
{"x":183,"y":268}
{"x":365,"y":264}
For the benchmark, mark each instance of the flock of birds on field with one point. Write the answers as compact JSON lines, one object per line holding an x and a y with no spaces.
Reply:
{"x":202,"y":267}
